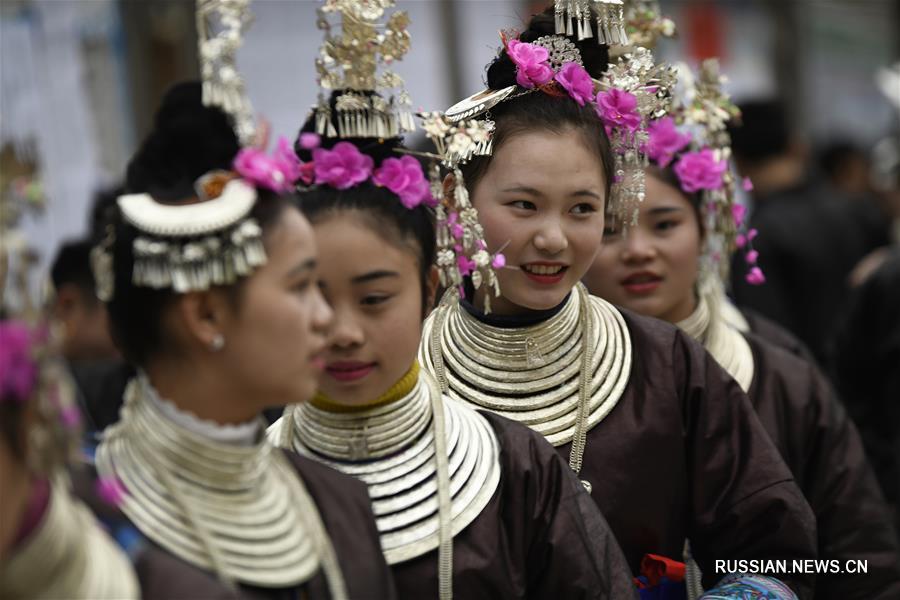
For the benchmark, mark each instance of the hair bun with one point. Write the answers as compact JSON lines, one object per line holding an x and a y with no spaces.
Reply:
{"x":501,"y":73}
{"x":188,"y":140}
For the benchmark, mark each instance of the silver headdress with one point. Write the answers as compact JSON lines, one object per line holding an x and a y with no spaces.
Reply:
{"x":610,"y":20}
{"x":188,"y":247}
{"x":634,"y":76}
{"x":637,"y":74}
{"x":209,"y":243}
{"x":220,"y":25}
{"x":349,"y":61}
{"x":701,"y":110}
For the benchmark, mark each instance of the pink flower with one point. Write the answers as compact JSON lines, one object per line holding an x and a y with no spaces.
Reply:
{"x":404,"y":177}
{"x":755,"y":276}
{"x":700,"y":171}
{"x":111,"y":490}
{"x":499,"y":261}
{"x":308,"y":172}
{"x":743,"y":239}
{"x":309,"y":141}
{"x":618,"y":108}
{"x":456,"y":230}
{"x":18,"y":369}
{"x":665,"y":141}
{"x":278,"y":172}
{"x":342,"y":167}
{"x":751,"y":257}
{"x":746,"y":184}
{"x":575,"y":79}
{"x":531,"y":63}
{"x":466,"y":265}
{"x":738,"y":211}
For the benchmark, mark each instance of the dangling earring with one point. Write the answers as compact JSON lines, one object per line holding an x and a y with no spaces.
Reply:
{"x":217,"y":343}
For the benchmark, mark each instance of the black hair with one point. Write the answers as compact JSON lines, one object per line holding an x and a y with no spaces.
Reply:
{"x":188,"y":141}
{"x":542,"y":111}
{"x":763,"y":131}
{"x":833,"y":156}
{"x":12,"y":432}
{"x":378,"y":206}
{"x":102,"y":208}
{"x":72,"y":266}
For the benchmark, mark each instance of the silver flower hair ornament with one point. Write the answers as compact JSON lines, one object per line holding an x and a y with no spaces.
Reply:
{"x":462,"y":249}
{"x":636,"y":91}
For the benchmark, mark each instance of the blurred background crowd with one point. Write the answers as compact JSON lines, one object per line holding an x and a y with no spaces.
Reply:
{"x":818,"y":82}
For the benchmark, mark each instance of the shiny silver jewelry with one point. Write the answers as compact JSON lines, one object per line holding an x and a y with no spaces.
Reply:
{"x":220,"y":28}
{"x":610,"y":20}
{"x":186,"y":492}
{"x":587,"y":352}
{"x":69,"y":544}
{"x":217,"y":343}
{"x":708,"y":325}
{"x":191,"y":247}
{"x":561,"y":49}
{"x":403,"y":468}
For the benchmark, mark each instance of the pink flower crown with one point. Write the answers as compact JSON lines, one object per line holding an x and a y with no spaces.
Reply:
{"x":704,"y":170}
{"x":341,"y":167}
{"x":629,"y":92}
{"x":617,"y":108}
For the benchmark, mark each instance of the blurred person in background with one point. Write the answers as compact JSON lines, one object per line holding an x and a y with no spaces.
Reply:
{"x":98,"y":370}
{"x":82,"y":316}
{"x":846,"y":167}
{"x":810,"y":238}
{"x":50,"y":544}
{"x":865,"y":361}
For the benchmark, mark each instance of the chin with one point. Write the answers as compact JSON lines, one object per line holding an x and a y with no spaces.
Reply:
{"x":348,"y":394}
{"x":305,"y":393}
{"x":543,"y":300}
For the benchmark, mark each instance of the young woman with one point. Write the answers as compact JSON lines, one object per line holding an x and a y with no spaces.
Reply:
{"x":666,"y":441}
{"x":663,"y":268}
{"x":212,"y":294}
{"x":466,"y":503}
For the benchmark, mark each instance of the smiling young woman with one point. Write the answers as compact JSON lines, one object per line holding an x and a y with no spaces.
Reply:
{"x":665,"y":441}
{"x":549,"y":220}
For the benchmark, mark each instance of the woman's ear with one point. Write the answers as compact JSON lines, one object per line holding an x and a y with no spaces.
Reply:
{"x":203,"y":318}
{"x":449,"y":186}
